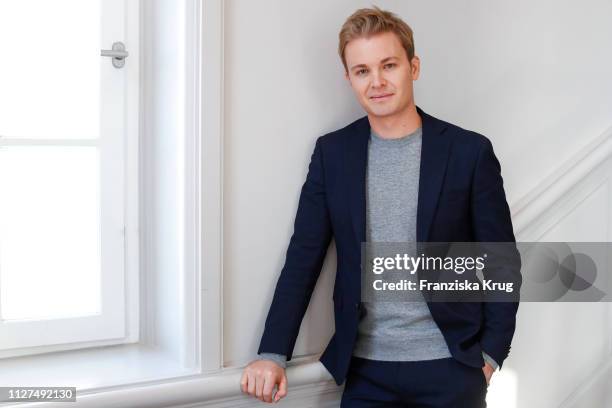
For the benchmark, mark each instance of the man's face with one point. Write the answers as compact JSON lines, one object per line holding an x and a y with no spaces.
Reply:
{"x":380,"y":74}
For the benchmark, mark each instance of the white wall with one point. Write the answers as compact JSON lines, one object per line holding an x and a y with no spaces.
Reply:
{"x":532,"y":76}
{"x":559,"y":348}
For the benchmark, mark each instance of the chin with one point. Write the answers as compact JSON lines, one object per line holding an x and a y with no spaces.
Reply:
{"x":381,"y":111}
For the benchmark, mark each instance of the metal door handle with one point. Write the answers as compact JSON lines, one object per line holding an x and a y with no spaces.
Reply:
{"x":118,"y":53}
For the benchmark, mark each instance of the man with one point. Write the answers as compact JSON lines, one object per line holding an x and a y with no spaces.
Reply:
{"x":395,"y":175}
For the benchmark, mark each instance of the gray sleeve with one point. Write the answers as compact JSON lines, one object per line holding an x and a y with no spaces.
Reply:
{"x":279,"y":359}
{"x":490,"y":360}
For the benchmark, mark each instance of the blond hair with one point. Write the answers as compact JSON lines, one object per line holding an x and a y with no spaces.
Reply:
{"x":366,"y":22}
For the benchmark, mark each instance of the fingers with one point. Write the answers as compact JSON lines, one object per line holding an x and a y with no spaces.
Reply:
{"x":268,"y":387}
{"x":260,"y":382}
{"x":282,"y":389}
{"x":243,"y":381}
{"x":251,"y":384}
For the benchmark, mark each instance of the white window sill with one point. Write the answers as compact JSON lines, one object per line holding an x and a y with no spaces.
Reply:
{"x":91,"y":369}
{"x":107,"y":377}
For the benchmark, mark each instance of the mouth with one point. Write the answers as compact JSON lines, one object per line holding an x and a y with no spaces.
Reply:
{"x":381,"y":97}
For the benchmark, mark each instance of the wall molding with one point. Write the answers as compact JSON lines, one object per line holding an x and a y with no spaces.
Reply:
{"x":553,"y":187}
{"x":599,"y":380}
{"x":208,"y":25}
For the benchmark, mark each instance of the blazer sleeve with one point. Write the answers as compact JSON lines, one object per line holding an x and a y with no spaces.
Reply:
{"x":307,"y":248}
{"x":491,"y":222}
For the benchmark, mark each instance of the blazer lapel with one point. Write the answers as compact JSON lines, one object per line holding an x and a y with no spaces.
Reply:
{"x":434,"y":155}
{"x":357,"y":157}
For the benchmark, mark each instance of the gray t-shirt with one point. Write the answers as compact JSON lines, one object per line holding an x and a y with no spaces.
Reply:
{"x":395,"y":331}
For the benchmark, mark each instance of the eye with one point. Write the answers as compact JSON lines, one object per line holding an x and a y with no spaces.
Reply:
{"x":360,"y":71}
{"x":390,"y":65}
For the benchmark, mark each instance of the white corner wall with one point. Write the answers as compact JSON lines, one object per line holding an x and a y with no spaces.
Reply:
{"x":532,"y":76}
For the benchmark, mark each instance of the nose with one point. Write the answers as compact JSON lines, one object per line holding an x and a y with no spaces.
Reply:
{"x":378,"y":80}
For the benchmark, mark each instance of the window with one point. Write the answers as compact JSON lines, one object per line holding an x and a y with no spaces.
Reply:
{"x":65,"y":159}
{"x":150,"y":158}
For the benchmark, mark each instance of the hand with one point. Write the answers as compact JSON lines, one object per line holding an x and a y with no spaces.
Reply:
{"x":260,"y":377}
{"x":488,"y":371}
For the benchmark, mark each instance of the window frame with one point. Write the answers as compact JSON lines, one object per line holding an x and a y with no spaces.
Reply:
{"x":144,"y":354}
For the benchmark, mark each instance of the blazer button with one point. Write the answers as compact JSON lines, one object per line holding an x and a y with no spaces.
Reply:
{"x":357,"y":306}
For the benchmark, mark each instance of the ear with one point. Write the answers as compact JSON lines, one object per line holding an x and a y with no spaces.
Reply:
{"x":415,"y":67}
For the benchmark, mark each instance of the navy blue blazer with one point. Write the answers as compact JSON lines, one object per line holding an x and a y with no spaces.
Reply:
{"x":461,"y":199}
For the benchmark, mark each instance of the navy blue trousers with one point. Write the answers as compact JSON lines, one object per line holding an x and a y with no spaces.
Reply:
{"x":440,"y":383}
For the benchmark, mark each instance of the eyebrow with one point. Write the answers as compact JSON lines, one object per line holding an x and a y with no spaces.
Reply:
{"x":382,"y":61}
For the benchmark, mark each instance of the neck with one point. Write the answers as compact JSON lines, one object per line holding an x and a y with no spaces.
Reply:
{"x":397,"y":125}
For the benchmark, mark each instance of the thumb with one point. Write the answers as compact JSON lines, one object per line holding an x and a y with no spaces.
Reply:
{"x":282,"y":389}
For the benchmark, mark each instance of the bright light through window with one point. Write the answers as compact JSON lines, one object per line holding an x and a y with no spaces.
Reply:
{"x":50,"y":71}
{"x":65,"y":111}
{"x":49,"y":232}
